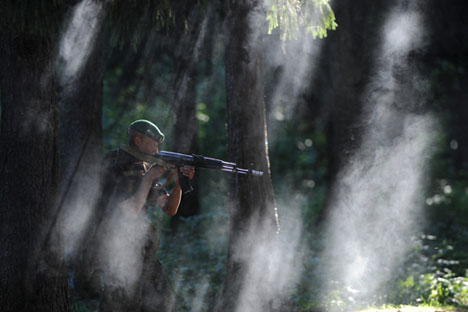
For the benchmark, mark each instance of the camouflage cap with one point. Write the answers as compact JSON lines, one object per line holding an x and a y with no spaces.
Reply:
{"x":147,"y":128}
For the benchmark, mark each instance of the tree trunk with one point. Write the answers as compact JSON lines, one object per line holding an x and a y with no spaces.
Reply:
{"x":185,"y":137}
{"x":253,"y":211}
{"x":32,"y":275}
{"x":185,"y":102}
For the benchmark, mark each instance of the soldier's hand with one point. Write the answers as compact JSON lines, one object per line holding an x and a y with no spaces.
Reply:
{"x":155,"y":172}
{"x":187,"y":171}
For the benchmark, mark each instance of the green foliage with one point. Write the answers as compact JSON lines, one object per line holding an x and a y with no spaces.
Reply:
{"x":436,"y":273}
{"x":435,"y":289}
{"x":295,"y":17}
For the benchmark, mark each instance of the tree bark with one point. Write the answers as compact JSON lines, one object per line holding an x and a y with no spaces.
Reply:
{"x":253,"y":211}
{"x":32,"y":275}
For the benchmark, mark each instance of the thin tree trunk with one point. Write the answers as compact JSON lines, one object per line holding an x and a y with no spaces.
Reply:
{"x":32,"y":275}
{"x":185,"y":102}
{"x":253,"y":211}
{"x":189,"y":54}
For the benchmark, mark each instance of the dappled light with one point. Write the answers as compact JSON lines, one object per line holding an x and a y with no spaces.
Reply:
{"x":77,"y":42}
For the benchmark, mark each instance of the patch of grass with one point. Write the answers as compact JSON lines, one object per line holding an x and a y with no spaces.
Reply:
{"x":407,"y":308}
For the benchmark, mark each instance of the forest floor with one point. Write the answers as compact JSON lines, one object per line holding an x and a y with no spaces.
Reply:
{"x":415,"y":309}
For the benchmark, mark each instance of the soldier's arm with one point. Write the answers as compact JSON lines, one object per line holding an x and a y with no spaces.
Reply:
{"x":135,"y":203}
{"x":173,"y":199}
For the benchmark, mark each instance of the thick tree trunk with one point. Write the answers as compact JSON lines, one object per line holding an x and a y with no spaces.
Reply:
{"x":32,"y":275}
{"x":253,"y":211}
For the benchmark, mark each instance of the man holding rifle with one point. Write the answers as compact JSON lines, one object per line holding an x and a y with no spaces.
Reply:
{"x":144,"y":138}
{"x":118,"y":265}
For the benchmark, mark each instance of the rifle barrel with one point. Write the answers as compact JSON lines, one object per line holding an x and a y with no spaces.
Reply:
{"x":242,"y":171}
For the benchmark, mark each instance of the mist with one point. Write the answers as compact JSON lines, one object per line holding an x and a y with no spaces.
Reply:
{"x":80,"y":187}
{"x":78,"y":38}
{"x":376,"y":209}
{"x":289,"y":66}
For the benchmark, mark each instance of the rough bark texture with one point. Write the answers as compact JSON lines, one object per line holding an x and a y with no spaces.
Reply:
{"x":253,"y":210}
{"x":31,"y":272}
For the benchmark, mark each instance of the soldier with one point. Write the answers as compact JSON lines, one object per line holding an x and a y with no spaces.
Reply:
{"x":119,"y":262}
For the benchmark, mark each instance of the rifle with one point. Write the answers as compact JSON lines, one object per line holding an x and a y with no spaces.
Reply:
{"x":177,"y":160}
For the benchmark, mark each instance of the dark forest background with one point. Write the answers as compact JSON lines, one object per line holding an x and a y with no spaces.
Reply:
{"x":183,"y":66}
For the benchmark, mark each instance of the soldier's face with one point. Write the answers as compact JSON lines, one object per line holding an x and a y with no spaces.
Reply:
{"x":147,"y":145}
